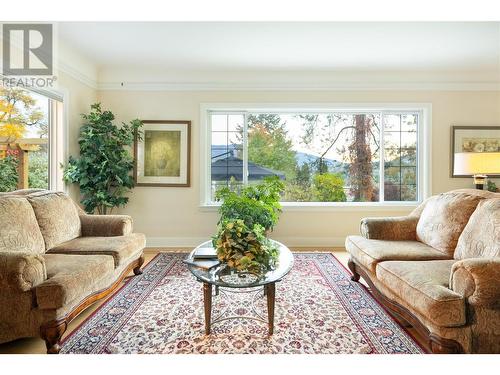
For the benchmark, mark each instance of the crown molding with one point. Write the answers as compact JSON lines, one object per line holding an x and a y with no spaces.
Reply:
{"x":292,"y":86}
{"x":77,"y":74}
{"x":275,"y":86}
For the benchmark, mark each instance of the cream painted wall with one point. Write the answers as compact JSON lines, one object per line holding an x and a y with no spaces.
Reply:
{"x":172,"y":217}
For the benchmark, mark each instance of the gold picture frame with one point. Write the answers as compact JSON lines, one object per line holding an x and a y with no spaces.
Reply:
{"x":163,"y":156}
{"x":473,"y":139}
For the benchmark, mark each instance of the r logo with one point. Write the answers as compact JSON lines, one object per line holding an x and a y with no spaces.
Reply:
{"x":36,"y":42}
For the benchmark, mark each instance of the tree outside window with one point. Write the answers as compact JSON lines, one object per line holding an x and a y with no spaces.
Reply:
{"x":321,"y":157}
{"x":24,"y":128}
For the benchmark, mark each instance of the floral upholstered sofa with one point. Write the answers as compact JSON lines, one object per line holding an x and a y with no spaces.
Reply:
{"x":438,"y":269}
{"x":55,"y":260}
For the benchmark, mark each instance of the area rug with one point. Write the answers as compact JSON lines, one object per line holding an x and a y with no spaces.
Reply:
{"x":318,"y":310}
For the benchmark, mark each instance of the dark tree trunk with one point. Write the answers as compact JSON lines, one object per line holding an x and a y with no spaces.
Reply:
{"x":360,"y":154}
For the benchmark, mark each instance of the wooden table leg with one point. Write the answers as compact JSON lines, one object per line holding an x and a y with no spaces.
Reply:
{"x":207,"y":302}
{"x":270,"y":292}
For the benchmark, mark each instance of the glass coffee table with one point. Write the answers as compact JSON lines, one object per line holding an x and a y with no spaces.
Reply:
{"x":224,"y":278}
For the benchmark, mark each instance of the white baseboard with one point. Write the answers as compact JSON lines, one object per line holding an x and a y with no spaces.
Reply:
{"x":174,"y":241}
{"x":289,"y":241}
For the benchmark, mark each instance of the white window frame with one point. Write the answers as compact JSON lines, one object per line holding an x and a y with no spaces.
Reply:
{"x":424,"y":149}
{"x":58,"y":135}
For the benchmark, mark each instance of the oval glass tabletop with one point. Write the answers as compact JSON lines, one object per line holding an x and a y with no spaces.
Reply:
{"x":224,"y":276}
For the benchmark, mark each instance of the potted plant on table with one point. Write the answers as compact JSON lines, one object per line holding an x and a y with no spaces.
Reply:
{"x":246,"y":220}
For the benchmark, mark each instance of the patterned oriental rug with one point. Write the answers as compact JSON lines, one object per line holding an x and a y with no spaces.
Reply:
{"x":318,"y":310}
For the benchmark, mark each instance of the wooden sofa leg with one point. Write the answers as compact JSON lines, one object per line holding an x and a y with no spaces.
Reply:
{"x":140,"y":262}
{"x":352,"y":266}
{"x":439,"y":345}
{"x":51,"y":334}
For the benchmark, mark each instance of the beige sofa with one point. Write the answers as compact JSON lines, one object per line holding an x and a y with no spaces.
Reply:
{"x":55,"y":261}
{"x":438,"y":269}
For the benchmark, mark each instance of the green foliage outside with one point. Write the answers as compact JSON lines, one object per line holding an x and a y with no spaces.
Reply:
{"x":329,"y":187}
{"x":8,"y":173}
{"x":38,"y":169}
{"x":269,"y":145}
{"x":354,"y":137}
{"x":103,"y":170}
{"x":299,"y":188}
{"x":295,"y":192}
{"x":244,"y":248}
{"x":19,"y":110}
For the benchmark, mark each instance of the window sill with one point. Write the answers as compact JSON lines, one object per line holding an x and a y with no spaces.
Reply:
{"x":335,"y":207}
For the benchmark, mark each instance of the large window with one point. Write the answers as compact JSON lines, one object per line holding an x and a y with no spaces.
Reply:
{"x":321,"y":156}
{"x":30,"y":140}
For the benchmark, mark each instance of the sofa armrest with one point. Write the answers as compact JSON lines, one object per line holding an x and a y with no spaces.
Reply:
{"x":477,"y":279}
{"x":105,"y":225}
{"x":21,"y":271}
{"x":403,"y":228}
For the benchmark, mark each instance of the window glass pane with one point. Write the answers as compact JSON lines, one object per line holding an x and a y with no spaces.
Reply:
{"x":24,"y":125}
{"x":400,"y":157}
{"x":408,"y":140}
{"x":409,"y":175}
{"x":392,"y":122}
{"x":235,"y":123}
{"x":226,"y":166}
{"x":409,"y":122}
{"x":219,"y":123}
{"x":320,"y":157}
{"x":392,"y":192}
{"x":408,"y":157}
{"x":392,"y":175}
{"x":392,"y":140}
{"x":409,"y":193}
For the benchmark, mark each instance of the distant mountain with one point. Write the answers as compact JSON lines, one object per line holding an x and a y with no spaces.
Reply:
{"x":333,"y":165}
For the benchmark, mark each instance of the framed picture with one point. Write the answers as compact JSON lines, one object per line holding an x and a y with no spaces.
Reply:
{"x":473,"y":139}
{"x":162,"y":157}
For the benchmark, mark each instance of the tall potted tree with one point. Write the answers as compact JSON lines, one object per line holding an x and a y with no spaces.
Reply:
{"x":103,"y":170}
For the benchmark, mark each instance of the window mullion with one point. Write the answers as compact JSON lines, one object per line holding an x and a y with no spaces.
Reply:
{"x":382,"y":160}
{"x":208,"y":165}
{"x":245,"y":149}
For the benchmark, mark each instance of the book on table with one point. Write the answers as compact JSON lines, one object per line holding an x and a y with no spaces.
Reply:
{"x":205,"y":253}
{"x":202,"y":263}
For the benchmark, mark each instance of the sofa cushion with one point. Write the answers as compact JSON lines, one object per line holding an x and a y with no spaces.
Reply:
{"x":444,"y":218}
{"x":481,"y":236}
{"x":369,"y":252}
{"x":123,"y":249}
{"x":57,"y":217}
{"x":424,"y":287}
{"x":71,"y":278}
{"x":19,"y":231}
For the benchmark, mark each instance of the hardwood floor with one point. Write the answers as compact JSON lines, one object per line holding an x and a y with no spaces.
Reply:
{"x":37,"y":346}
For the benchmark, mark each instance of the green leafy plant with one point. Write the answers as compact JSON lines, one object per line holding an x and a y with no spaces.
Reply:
{"x":103,"y":169}
{"x":256,"y":204}
{"x":8,"y":173}
{"x":246,"y":216}
{"x":491,"y":186}
{"x":244,"y":248}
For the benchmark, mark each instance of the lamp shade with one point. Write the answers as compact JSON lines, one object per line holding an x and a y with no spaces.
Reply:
{"x":471,"y":163}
